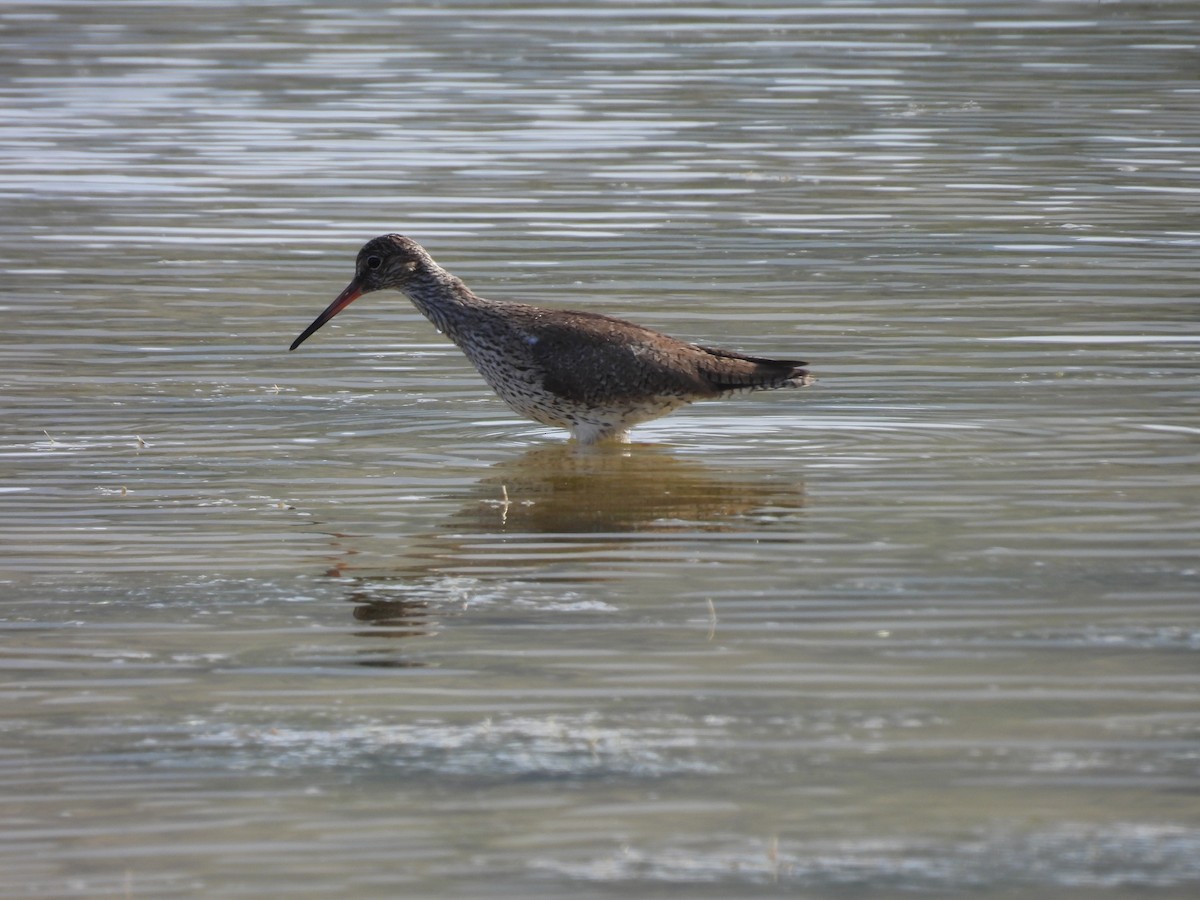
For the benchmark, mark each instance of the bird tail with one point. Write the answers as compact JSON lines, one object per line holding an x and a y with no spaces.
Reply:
{"x":728,"y":372}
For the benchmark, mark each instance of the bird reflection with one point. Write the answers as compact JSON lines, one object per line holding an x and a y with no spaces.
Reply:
{"x":568,"y":489}
{"x":389,"y":616}
{"x":401,"y":617}
{"x":592,"y":498}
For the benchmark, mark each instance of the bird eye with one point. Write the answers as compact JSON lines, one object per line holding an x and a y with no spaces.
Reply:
{"x":374,"y":262}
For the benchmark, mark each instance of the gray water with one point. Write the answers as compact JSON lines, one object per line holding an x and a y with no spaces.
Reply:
{"x":337,"y":623}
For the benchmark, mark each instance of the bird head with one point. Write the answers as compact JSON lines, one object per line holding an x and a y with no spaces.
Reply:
{"x":388,"y":261}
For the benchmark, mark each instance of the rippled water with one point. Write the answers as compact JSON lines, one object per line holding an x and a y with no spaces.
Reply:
{"x":335,"y":622}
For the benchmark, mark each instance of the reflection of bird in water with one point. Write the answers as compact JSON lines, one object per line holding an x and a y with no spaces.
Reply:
{"x":410,"y":616}
{"x":593,"y":375}
{"x":594,"y":498}
{"x":570,"y":490}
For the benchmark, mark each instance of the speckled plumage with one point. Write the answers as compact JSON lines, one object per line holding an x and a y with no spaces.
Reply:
{"x":591,"y":374}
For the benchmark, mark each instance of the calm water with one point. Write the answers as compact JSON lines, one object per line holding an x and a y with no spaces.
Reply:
{"x":336,"y":623}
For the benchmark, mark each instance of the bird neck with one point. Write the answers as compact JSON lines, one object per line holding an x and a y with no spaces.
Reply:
{"x":443,"y":299}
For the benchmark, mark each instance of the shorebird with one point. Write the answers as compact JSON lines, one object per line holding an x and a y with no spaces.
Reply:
{"x":592,"y":374}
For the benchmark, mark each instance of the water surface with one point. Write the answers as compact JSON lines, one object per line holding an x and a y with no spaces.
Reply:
{"x":337,"y":622}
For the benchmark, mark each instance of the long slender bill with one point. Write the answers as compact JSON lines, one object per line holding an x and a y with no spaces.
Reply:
{"x":352,"y":292}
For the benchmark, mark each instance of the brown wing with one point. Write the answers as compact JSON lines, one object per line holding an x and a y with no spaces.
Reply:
{"x":590,"y":358}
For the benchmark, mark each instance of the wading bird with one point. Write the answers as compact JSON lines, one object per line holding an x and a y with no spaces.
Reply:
{"x":594,"y":375}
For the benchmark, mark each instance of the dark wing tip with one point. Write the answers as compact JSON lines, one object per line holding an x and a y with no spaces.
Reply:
{"x":728,"y":370}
